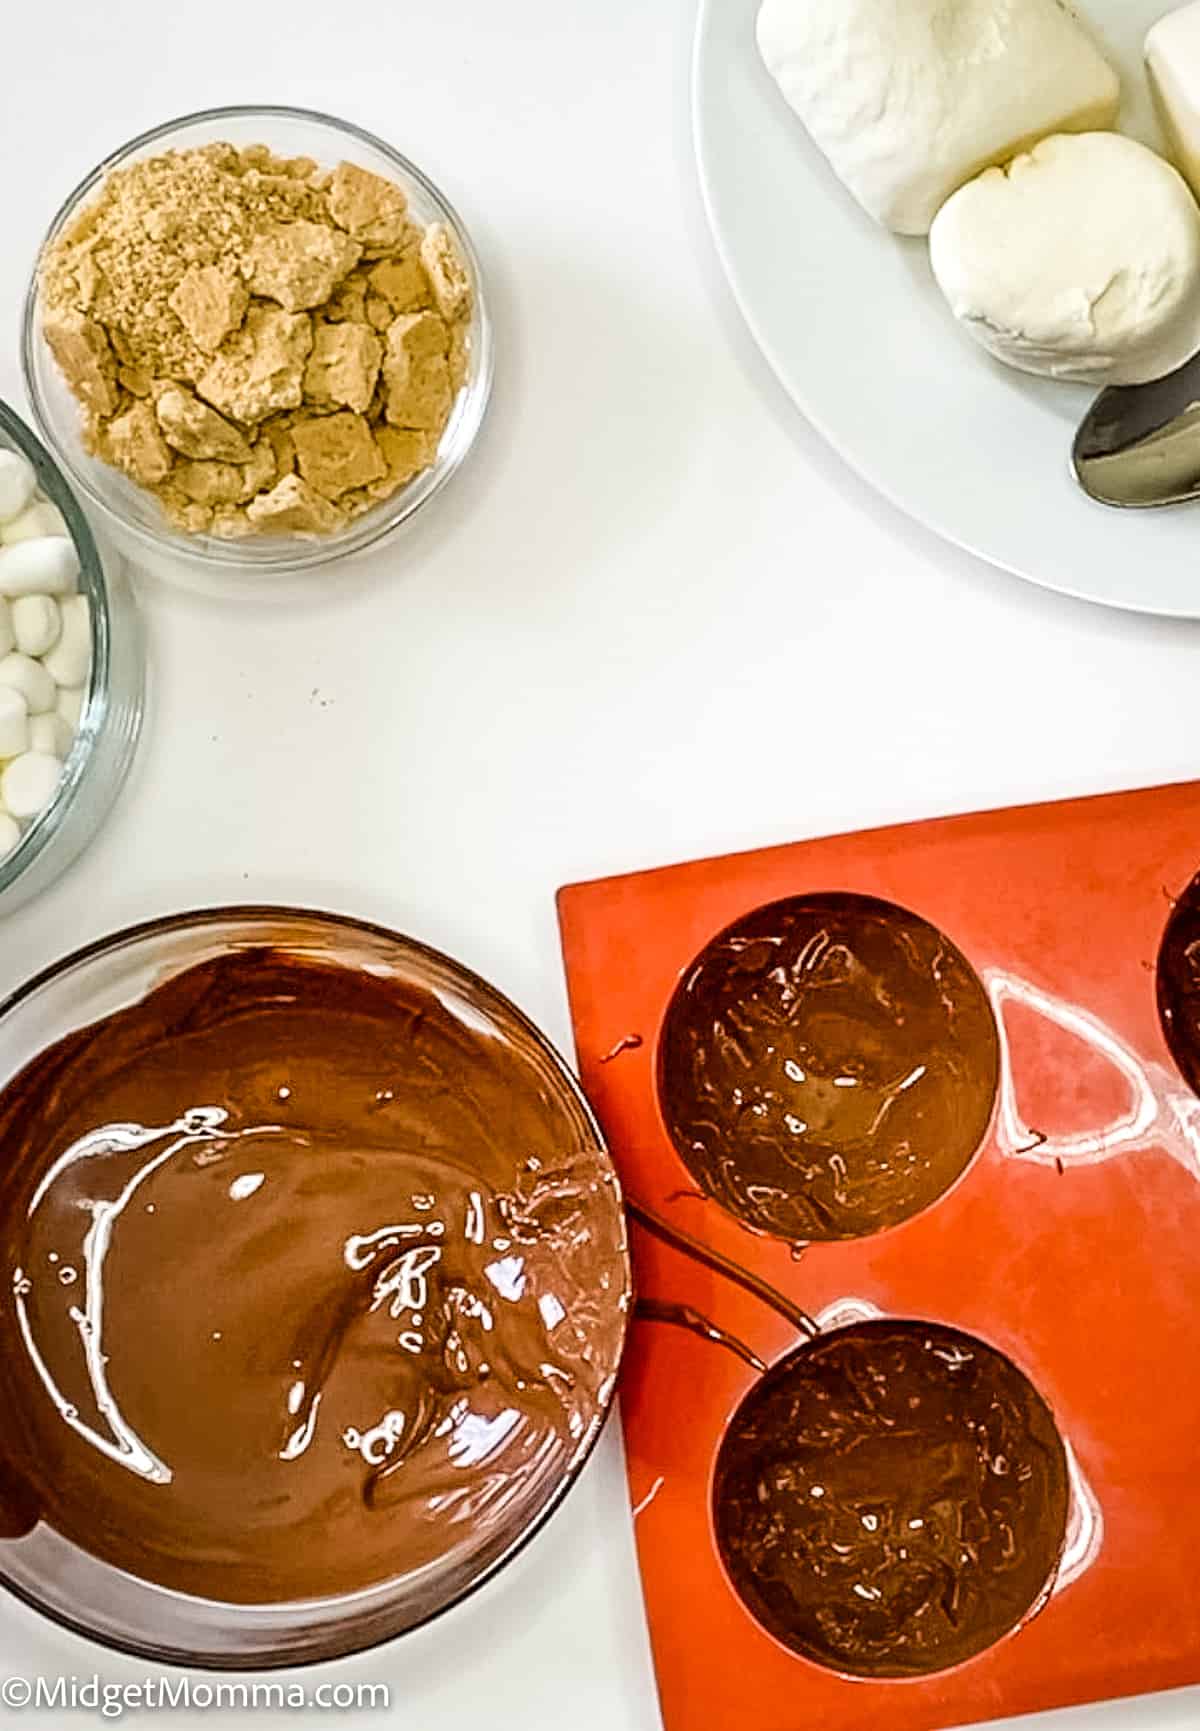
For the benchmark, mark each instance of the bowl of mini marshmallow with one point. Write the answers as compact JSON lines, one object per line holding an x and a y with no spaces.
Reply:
{"x":71,"y":670}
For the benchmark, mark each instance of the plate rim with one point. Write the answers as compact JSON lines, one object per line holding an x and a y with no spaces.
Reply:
{"x":705,"y":14}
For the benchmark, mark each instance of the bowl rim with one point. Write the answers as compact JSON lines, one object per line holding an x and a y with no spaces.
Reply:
{"x":202,"y":918}
{"x":52,"y":481}
{"x":275,"y":556}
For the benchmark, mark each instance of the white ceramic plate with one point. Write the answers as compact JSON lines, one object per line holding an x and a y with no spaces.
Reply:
{"x":853,"y":324}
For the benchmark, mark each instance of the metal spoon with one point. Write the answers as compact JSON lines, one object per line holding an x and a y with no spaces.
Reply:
{"x":1139,"y":445}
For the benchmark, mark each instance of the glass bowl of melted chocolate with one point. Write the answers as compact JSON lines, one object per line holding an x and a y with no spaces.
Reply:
{"x":316,"y":1287}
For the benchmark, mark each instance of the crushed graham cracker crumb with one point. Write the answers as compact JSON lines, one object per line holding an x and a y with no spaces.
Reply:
{"x":337,"y":452}
{"x":343,"y":366}
{"x":194,"y":430}
{"x":370,"y":208}
{"x":293,"y":507}
{"x":133,"y":442}
{"x":268,"y":347}
{"x":209,"y":302}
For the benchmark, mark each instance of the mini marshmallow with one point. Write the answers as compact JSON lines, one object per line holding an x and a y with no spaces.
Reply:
{"x":17,"y":483}
{"x":10,"y":835}
{"x":28,"y":783}
{"x":49,"y":566}
{"x":51,"y":734}
{"x":70,"y":705}
{"x":35,"y":522}
{"x":69,"y":660}
{"x":14,"y":723}
{"x":22,"y":673}
{"x":36,"y":623}
{"x":8,"y":641}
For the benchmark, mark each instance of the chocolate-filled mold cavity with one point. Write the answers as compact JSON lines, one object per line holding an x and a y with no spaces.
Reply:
{"x":828,"y":1067}
{"x":1178,"y":984}
{"x":892,"y":1499}
{"x":317,"y":1279}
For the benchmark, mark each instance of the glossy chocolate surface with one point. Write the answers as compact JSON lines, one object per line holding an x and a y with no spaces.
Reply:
{"x":891,"y":1499}
{"x":1179,"y":984}
{"x":310,"y":1278}
{"x":828,"y":1067}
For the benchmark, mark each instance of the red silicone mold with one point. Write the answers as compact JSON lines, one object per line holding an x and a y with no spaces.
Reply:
{"x":1068,"y":1244}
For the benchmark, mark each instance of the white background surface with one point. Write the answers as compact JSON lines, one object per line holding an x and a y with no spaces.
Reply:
{"x":654,"y":619}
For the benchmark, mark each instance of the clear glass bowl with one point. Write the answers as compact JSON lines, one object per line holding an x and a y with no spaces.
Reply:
{"x":288,"y":132}
{"x":109,"y":1605}
{"x":108,"y":732}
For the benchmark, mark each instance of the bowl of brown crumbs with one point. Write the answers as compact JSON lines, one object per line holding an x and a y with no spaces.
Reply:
{"x":257,"y":339}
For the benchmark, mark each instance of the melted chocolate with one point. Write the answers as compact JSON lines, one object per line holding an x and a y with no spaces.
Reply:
{"x":891,"y":1499}
{"x":828,"y":1067}
{"x":702,"y":1253}
{"x":1178,"y":984}
{"x":686,"y":1316}
{"x":312,"y":1279}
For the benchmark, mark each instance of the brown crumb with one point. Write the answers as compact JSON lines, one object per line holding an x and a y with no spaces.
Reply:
{"x":261,"y":367}
{"x":378,"y":312}
{"x":337,"y":452}
{"x":133,"y":380}
{"x":299,"y":264}
{"x":446,"y":272}
{"x":86,"y":359}
{"x":209,"y":303}
{"x":406,"y":452}
{"x":260,"y":472}
{"x":416,"y":372}
{"x":217,"y":483}
{"x":133,"y":442}
{"x":458,"y":360}
{"x":370,"y":208}
{"x":195,"y":430}
{"x":348,"y":301}
{"x":208,"y":483}
{"x":230,"y":523}
{"x":283,"y":449}
{"x":401,"y":281}
{"x":418,"y":335}
{"x":184,"y":512}
{"x":292,"y":507}
{"x":343,"y":366}
{"x":251,"y":337}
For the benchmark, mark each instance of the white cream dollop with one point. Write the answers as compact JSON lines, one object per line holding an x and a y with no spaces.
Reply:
{"x":1079,"y":260}
{"x":910,"y":98}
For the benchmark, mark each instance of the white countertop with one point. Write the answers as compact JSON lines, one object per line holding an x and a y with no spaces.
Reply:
{"x":654,"y":619}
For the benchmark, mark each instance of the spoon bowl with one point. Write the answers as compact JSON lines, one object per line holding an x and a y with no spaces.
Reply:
{"x":1138,"y":446}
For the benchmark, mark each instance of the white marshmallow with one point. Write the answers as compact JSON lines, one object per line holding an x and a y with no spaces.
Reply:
{"x":1079,"y":260}
{"x":49,"y":566}
{"x":71,"y":657}
{"x":14,"y":723}
{"x":1173,"y":62}
{"x":36,"y":623}
{"x":909,"y":101}
{"x":28,"y":783}
{"x":51,"y":734}
{"x":7,"y":639}
{"x":22,"y":673}
{"x":10,"y":835}
{"x":70,"y":705}
{"x":17,"y":483}
{"x":34,"y":523}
